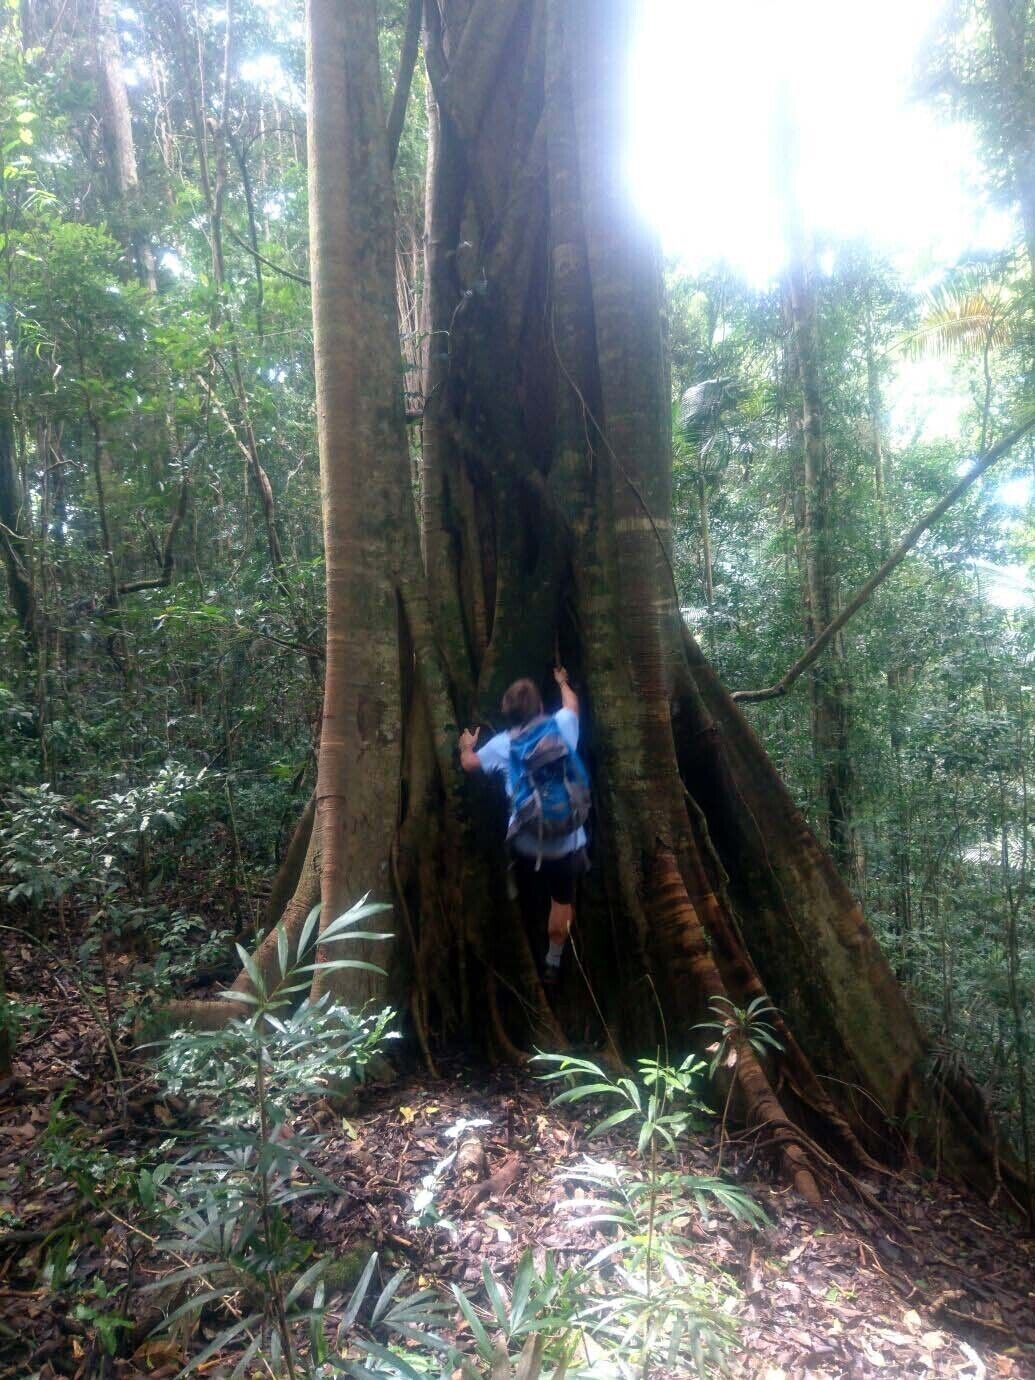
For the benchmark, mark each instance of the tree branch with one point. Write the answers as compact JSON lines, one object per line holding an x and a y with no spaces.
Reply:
{"x":249,"y":200}
{"x":163,"y":580}
{"x":985,"y":462}
{"x":407,"y":61}
{"x":284,"y":272}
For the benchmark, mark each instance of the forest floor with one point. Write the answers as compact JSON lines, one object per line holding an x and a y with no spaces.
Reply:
{"x":935,"y":1284}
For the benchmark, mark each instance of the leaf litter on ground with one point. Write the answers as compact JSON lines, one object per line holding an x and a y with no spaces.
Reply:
{"x":832,"y":1294}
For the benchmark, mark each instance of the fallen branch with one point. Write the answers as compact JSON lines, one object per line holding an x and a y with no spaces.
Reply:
{"x":985,"y":462}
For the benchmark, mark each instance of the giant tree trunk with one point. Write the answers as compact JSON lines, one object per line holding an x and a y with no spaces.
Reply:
{"x":364,"y":467}
{"x":545,"y":528}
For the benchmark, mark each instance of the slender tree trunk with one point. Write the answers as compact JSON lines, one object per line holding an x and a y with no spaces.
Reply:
{"x":211,"y":145}
{"x":1014,"y":860}
{"x":13,"y":529}
{"x":901,"y":824}
{"x":115,"y":110}
{"x":706,"y":544}
{"x":117,"y":124}
{"x":831,"y":710}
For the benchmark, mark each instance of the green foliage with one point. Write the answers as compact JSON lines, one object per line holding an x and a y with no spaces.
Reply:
{"x":661,"y":1106}
{"x":52,"y":848}
{"x":225,"y":1205}
{"x":187,"y":944}
{"x":113,"y":392}
{"x":226,"y":1201}
{"x":19,"y":1020}
{"x":735,"y":1025}
{"x":961,"y":317}
{"x":655,"y":1308}
{"x":307,"y":1051}
{"x":69,"y":1151}
{"x":938,"y":681}
{"x":108,"y":1325}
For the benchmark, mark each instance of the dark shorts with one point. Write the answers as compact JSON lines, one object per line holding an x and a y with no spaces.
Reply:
{"x":554,"y":880}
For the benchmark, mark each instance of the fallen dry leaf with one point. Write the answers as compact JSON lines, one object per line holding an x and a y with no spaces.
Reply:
{"x":895,"y":1338}
{"x":155,"y":1352}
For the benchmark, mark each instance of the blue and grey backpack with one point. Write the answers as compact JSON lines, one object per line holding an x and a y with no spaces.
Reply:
{"x":549,"y":785}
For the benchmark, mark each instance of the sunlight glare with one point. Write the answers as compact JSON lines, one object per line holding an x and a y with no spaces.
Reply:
{"x":1015,"y":493}
{"x":873,"y":163}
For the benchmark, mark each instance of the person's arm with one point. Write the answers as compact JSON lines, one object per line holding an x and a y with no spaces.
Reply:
{"x":569,"y":699}
{"x":468,"y":757}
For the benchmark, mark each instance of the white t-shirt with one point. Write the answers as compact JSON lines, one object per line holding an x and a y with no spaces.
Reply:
{"x":495,"y":757}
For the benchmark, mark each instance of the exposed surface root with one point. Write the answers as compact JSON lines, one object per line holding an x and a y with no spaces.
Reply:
{"x":210,"y":1015}
{"x":683,"y":945}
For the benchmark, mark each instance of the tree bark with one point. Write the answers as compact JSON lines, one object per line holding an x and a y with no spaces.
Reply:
{"x":115,"y":110}
{"x":901,"y":822}
{"x":407,"y":60}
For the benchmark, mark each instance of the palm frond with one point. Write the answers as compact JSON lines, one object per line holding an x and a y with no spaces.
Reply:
{"x":960,"y":322}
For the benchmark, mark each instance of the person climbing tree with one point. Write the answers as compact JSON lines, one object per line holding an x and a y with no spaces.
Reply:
{"x":548,"y":790}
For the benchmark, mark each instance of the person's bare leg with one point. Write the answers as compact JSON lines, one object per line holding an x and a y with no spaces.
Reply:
{"x":557,"y":932}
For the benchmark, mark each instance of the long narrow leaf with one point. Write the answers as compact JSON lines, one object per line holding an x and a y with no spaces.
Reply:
{"x":304,"y":1281}
{"x":224,"y":1338}
{"x":615,"y":1119}
{"x":306,"y":934}
{"x":389,"y":1358}
{"x":334,"y":963}
{"x":355,"y":1303}
{"x":585,"y":1090}
{"x":522,"y":1288}
{"x":196,"y":1303}
{"x":481,"y":1337}
{"x":387,"y":1294}
{"x":253,"y":1347}
{"x":492,"y":1289}
{"x":252,"y":969}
